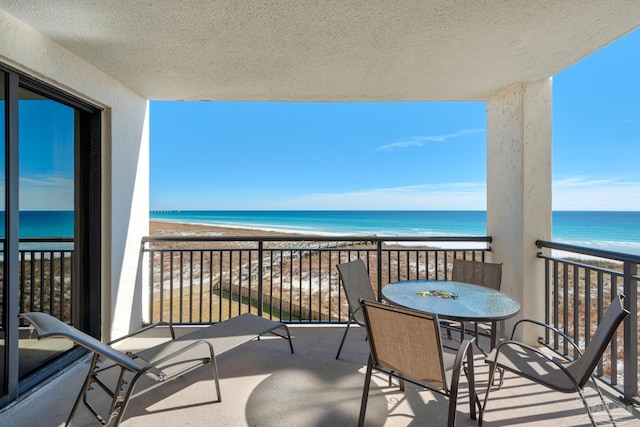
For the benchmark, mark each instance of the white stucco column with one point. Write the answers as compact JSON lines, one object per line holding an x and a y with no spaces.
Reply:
{"x":129,"y":219}
{"x":519,"y":190}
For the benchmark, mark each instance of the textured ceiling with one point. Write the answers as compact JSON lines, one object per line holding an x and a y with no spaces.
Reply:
{"x":328,"y":50}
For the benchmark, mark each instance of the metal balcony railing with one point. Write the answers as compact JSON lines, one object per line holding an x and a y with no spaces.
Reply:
{"x":202,"y":279}
{"x":294,"y":279}
{"x":578,"y":286}
{"x":45,"y":276}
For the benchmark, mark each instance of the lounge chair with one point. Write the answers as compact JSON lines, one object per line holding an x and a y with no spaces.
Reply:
{"x":566,"y":376}
{"x":161,"y":363}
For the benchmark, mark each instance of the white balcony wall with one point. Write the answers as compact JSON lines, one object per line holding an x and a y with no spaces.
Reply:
{"x":125,"y":167}
{"x":519,"y":190}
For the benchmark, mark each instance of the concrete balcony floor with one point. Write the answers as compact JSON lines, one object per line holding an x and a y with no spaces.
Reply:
{"x":264,"y":385}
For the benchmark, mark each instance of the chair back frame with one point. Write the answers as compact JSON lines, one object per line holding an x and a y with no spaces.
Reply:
{"x":584,"y":366}
{"x":406,"y":344}
{"x":477,"y":273}
{"x":395,"y":350}
{"x":356,"y":284}
{"x":485,"y":274}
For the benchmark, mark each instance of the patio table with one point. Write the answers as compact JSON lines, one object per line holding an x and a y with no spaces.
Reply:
{"x":450,"y":300}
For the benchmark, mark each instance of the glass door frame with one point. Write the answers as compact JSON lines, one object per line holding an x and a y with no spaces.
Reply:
{"x":86,"y":292}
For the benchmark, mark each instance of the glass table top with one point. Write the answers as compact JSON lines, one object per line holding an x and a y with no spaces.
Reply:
{"x":471,"y":302}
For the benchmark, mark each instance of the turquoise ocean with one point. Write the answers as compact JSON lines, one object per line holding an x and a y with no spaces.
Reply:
{"x":613,"y":231}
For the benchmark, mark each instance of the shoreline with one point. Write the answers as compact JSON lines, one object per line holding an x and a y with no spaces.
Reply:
{"x":180,"y":228}
{"x":613,"y":231}
{"x":240,"y":230}
{"x":168,"y":228}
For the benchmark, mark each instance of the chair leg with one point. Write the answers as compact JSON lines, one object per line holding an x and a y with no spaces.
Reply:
{"x":286,"y":328}
{"x":365,"y":392}
{"x":343,"y":337}
{"x":214,"y":365}
{"x":464,"y":352}
{"x":471,"y":380}
{"x":448,"y":330}
{"x":85,"y":387}
{"x":462,"y":331}
{"x":586,"y":406}
{"x":606,"y":407}
{"x":492,"y":338}
{"x":501,"y":370}
{"x":119,"y":405}
{"x":492,"y":370}
{"x":287,"y":337}
{"x":400,"y":379}
{"x":123,"y":402}
{"x":118,"y":402}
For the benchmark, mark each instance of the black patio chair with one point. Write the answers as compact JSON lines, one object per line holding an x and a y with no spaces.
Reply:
{"x":566,"y":376}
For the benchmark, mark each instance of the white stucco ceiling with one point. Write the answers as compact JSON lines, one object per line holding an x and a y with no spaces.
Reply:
{"x":331,"y":50}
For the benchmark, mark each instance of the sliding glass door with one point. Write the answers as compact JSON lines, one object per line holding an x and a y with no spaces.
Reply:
{"x":4,"y":380}
{"x":50,"y":165}
{"x":46,"y":201}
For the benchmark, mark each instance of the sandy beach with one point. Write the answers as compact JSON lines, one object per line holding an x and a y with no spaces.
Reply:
{"x":168,"y":228}
{"x":302,"y":279}
{"x":229,"y":276}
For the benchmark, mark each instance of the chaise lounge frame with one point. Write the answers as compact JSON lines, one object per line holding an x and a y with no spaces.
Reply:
{"x":161,"y":363}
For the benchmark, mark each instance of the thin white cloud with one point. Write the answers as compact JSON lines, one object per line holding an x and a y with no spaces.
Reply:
{"x":417,"y":141}
{"x":441,"y":138}
{"x":453,"y":196}
{"x":47,"y":192}
{"x":47,"y":181}
{"x":401,"y":144}
{"x":579,"y":193}
{"x":573,"y":193}
{"x":581,"y":182}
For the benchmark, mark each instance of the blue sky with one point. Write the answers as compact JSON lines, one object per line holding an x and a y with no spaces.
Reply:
{"x":239,"y":155}
{"x":46,"y":132}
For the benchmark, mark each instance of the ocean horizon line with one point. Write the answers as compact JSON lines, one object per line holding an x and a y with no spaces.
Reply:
{"x":155,"y":211}
{"x":616,"y":231}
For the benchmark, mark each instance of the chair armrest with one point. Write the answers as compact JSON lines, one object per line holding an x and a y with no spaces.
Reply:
{"x":549,"y":327}
{"x":146,"y":328}
{"x":463,"y":349}
{"x":466,"y":349}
